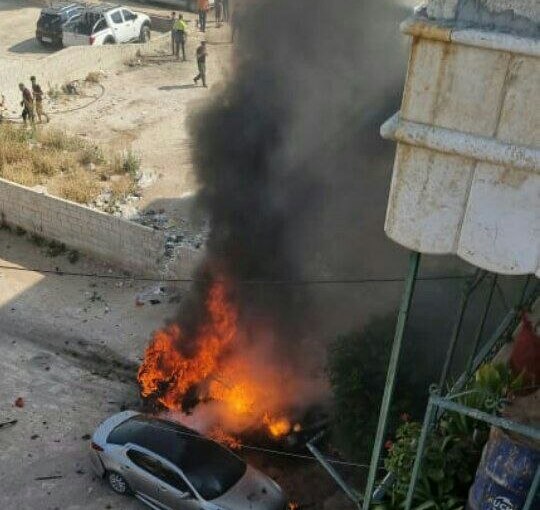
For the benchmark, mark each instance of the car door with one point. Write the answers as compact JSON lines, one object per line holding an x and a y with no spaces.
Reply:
{"x":139,"y":471}
{"x":130,"y":21}
{"x":120,"y":31}
{"x":173,"y":491}
{"x":153,"y":479}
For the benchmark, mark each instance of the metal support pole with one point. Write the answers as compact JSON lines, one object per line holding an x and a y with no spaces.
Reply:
{"x":505,"y":326}
{"x":496,"y":421}
{"x":351,"y":493}
{"x":523,"y":293}
{"x":426,"y":427}
{"x":468,"y":289}
{"x":414,"y":262}
{"x":533,"y":491}
{"x":480,"y":331}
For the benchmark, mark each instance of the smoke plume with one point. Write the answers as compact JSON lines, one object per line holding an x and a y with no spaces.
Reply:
{"x":289,"y":158}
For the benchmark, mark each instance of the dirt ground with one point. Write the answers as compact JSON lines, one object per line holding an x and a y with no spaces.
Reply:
{"x":70,"y":347}
{"x":18,"y":26}
{"x":149,"y":102}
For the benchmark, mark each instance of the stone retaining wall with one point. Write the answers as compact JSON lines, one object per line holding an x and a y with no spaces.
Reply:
{"x":128,"y":245}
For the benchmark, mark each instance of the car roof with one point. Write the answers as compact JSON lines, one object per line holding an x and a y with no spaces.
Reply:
{"x":60,"y":7}
{"x":166,"y":438}
{"x":101,"y":8}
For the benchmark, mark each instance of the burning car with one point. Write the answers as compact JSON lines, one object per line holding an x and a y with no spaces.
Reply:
{"x":168,"y":466}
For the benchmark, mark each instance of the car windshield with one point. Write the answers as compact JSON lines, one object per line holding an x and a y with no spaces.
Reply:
{"x":211,"y":468}
{"x":50,"y":19}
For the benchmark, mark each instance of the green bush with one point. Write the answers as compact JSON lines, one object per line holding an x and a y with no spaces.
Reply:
{"x":356,"y":369}
{"x":452,"y":450}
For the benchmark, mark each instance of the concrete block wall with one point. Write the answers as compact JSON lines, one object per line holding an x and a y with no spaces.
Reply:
{"x":125,"y":244}
{"x":69,"y":64}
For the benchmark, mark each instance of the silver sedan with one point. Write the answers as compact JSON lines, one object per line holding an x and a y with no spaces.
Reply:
{"x":170,"y":467}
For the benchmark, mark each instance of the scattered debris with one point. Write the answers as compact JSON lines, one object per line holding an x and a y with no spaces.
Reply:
{"x":86,"y":437}
{"x":179,"y":234}
{"x":51,"y":477}
{"x":19,"y":402}
{"x":7,"y":424}
{"x":73,"y":256}
{"x":150,"y":295}
{"x":71,"y":88}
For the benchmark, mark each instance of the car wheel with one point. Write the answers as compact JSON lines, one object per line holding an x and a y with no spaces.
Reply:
{"x":145,"y":34}
{"x":118,"y":483}
{"x":109,"y":40}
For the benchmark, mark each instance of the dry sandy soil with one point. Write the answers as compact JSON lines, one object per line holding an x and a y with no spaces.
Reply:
{"x":18,"y":25}
{"x":152,"y":102}
{"x":140,"y":105}
{"x":70,"y":347}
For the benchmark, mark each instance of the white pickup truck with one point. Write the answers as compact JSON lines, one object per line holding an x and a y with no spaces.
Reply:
{"x":106,"y":24}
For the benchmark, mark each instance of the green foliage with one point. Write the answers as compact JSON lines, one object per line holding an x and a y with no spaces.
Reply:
{"x":131,"y":163}
{"x":357,"y":374}
{"x":446,"y":471}
{"x":73,"y":256}
{"x":37,"y":240}
{"x":452,"y":450}
{"x":92,"y":154}
{"x":492,"y":384}
{"x":55,"y":248}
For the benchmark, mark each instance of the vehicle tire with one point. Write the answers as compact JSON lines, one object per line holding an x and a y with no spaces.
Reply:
{"x":145,"y":34}
{"x":109,"y":40}
{"x":118,"y":483}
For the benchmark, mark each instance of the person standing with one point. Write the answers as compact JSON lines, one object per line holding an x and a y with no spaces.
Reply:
{"x":2,"y":106}
{"x":202,"y":53}
{"x":218,"y":7}
{"x":28,"y":105}
{"x":226,"y":10}
{"x":235,"y":21}
{"x":180,"y":28}
{"x":38,"y":99}
{"x":203,"y":6}
{"x":173,"y":35}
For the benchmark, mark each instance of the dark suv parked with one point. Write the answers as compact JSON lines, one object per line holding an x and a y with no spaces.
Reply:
{"x":53,"y":18}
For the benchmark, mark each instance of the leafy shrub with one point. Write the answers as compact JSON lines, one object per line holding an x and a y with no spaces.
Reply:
{"x":452,"y":450}
{"x":357,"y":373}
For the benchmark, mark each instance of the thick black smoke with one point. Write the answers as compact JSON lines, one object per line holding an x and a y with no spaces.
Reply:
{"x":292,"y":170}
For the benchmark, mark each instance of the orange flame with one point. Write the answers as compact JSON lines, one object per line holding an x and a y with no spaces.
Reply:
{"x":167,"y":375}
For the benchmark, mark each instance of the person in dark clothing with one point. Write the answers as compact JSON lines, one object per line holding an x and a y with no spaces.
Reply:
{"x":28,"y":105}
{"x":203,"y":6}
{"x":225,"y":10}
{"x":218,"y":9}
{"x":202,"y":53}
{"x":181,"y":36}
{"x":174,"y":40}
{"x":38,"y":99}
{"x":235,"y":21}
